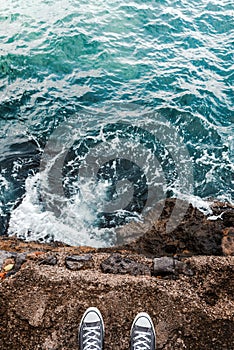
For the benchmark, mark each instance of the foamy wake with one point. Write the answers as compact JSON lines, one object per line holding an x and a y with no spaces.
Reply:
{"x":75,"y":224}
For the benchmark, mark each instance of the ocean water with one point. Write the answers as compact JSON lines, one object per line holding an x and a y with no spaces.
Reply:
{"x":109,"y":107}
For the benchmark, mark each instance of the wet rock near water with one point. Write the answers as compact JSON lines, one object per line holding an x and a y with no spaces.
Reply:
{"x":196,"y":233}
{"x":117,"y":264}
{"x":45,"y":288}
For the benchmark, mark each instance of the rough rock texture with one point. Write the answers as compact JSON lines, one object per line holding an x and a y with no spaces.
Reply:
{"x":228,"y":241}
{"x":170,"y":266}
{"x":44,"y":289}
{"x":41,"y":305}
{"x":117,"y":264}
{"x":197,"y":234}
{"x":79,"y":262}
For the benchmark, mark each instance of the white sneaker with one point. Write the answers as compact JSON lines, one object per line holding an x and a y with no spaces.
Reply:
{"x":142,"y":333}
{"x":91,"y":331}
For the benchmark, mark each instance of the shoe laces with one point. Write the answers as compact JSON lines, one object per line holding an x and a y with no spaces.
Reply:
{"x":142,"y":340}
{"x":91,"y":338}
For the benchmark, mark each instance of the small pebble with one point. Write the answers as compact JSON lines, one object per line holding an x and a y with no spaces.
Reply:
{"x":8,"y":267}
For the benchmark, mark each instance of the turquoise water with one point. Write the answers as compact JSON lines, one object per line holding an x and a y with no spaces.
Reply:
{"x":60,"y":59}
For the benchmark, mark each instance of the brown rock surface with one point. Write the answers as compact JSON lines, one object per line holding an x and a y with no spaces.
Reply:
{"x":41,"y":306}
{"x":228,"y":241}
{"x":192,"y":305}
{"x":197,"y":234}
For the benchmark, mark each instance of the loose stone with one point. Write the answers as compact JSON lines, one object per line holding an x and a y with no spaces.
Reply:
{"x":79,"y":262}
{"x":49,"y":260}
{"x":170,"y":266}
{"x":117,"y":264}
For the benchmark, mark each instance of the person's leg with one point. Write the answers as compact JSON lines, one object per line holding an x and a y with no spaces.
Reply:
{"x":91,"y":331}
{"x":142,"y":333}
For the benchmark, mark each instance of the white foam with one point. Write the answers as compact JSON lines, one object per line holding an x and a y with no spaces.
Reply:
{"x":202,"y":204}
{"x":215,"y":217}
{"x":4,"y":186}
{"x":74,"y":226}
{"x":3,"y":182}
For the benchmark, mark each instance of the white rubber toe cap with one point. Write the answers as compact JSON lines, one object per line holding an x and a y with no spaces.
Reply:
{"x":143,"y":320}
{"x":92,"y":314}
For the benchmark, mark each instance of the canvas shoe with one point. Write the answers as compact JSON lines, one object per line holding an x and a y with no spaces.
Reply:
{"x":142,"y":333}
{"x":91,"y":331}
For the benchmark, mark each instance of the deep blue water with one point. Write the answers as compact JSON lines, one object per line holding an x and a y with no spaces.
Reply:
{"x":164,"y":67}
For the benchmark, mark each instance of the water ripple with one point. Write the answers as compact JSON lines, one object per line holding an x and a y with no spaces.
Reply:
{"x":175,"y":57}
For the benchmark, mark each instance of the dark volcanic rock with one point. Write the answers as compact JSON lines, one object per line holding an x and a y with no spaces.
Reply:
{"x":196,"y":234}
{"x":20,"y":258}
{"x":79,"y":262}
{"x":228,"y":217}
{"x":49,"y":260}
{"x":181,"y":267}
{"x":164,"y":266}
{"x":170,"y":266}
{"x":117,"y":264}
